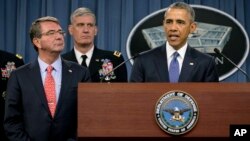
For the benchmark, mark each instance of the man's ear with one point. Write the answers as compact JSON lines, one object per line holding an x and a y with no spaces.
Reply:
{"x":70,"y":29}
{"x":37,"y":42}
{"x":96,"y":30}
{"x":193,"y":27}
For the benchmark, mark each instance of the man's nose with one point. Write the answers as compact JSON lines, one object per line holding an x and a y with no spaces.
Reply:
{"x":85,"y":28}
{"x":173,"y":27}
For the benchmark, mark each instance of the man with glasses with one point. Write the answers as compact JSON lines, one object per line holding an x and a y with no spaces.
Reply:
{"x":100,"y":63}
{"x":41,"y":102}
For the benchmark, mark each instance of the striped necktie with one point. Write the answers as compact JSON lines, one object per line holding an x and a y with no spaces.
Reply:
{"x":174,"y":69}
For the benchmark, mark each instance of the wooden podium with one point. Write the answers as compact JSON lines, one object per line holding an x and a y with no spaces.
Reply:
{"x":128,"y":109}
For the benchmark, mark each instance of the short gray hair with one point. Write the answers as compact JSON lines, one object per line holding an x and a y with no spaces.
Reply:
{"x":81,"y":12}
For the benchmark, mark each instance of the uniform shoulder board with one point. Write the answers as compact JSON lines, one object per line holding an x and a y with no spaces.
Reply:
{"x":19,"y":56}
{"x":117,"y":53}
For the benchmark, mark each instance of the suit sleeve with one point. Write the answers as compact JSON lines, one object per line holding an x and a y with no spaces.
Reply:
{"x":137,"y":71}
{"x":122,"y":71}
{"x":212,"y":73}
{"x":13,"y":121}
{"x":86,"y":76}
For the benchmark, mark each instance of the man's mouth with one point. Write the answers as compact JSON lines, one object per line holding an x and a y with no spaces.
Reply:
{"x":173,"y":37}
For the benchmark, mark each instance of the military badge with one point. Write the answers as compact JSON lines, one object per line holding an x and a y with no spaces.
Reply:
{"x":176,"y":112}
{"x":107,"y":68}
{"x":117,"y":53}
{"x":10,"y":66}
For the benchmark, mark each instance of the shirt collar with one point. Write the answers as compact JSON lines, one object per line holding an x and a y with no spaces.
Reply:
{"x":57,"y":64}
{"x":170,"y":50}
{"x":79,"y":54}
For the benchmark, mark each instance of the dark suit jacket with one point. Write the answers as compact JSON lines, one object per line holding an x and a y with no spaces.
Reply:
{"x":5,"y":58}
{"x":96,"y":64}
{"x":27,"y":115}
{"x":152,"y":66}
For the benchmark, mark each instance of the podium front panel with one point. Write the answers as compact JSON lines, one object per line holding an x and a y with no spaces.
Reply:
{"x":128,"y":109}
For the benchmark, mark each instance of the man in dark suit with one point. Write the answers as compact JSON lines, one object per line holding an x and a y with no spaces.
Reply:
{"x":41,"y":102}
{"x":100,"y":63}
{"x":175,"y":61}
{"x":8,"y":63}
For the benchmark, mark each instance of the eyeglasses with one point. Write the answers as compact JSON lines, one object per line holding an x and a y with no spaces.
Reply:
{"x":53,"y":33}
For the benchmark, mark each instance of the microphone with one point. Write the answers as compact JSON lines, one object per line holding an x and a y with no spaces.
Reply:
{"x":115,"y":68}
{"x":217,"y":51}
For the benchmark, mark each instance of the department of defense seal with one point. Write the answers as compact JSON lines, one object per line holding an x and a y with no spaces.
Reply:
{"x":176,"y":112}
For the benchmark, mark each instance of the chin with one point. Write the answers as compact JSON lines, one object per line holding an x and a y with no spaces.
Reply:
{"x":173,"y":44}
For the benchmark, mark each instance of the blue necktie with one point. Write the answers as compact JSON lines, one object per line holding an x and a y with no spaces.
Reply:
{"x":174,"y":69}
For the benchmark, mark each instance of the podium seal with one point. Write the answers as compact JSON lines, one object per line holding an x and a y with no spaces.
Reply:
{"x":176,"y":112}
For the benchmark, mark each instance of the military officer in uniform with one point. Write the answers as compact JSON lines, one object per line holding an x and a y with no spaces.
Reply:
{"x":100,"y":63}
{"x":8,"y":63}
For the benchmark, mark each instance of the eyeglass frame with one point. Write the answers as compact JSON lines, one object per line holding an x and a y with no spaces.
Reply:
{"x":53,"y":33}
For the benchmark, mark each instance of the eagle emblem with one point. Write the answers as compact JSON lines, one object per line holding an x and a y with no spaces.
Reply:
{"x":177,"y":113}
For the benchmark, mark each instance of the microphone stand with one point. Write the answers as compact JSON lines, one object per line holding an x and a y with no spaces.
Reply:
{"x":218,"y":52}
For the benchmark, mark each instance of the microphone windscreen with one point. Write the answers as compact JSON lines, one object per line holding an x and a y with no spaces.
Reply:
{"x":216,"y":50}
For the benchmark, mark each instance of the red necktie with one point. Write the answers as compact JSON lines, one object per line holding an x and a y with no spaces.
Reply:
{"x":50,"y":90}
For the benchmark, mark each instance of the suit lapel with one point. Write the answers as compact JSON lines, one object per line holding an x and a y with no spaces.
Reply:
{"x":37,"y":83}
{"x":188,"y":66}
{"x":160,"y":57}
{"x":66,"y":75}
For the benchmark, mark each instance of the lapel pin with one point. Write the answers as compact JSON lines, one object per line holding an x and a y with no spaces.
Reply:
{"x":191,"y":63}
{"x":70,"y":71}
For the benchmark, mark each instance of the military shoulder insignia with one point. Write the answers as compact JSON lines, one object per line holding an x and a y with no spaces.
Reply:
{"x":117,"y":53}
{"x":176,"y":112}
{"x":19,"y":56}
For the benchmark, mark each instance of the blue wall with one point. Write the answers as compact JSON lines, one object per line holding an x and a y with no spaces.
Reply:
{"x":115,"y":20}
